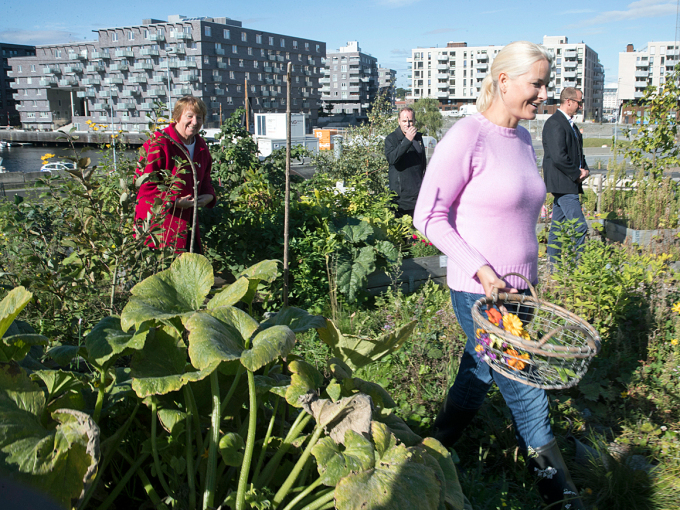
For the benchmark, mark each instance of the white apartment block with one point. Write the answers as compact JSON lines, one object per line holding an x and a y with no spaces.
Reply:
{"x":648,"y":66}
{"x":454,"y":74}
{"x":350,"y":83}
{"x":610,"y":99}
{"x":118,"y":78}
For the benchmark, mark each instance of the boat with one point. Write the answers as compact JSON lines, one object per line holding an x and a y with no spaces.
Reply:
{"x":4,"y":144}
{"x":58,"y":165}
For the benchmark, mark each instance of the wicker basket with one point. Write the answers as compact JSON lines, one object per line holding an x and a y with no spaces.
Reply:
{"x":558,"y":352}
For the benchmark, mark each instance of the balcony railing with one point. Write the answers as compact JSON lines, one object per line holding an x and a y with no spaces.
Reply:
{"x":98,"y":106}
{"x":188,"y":77}
{"x":124,"y":53}
{"x":183,"y":36}
{"x":68,"y":82}
{"x":51,"y":70}
{"x":77,"y":56}
{"x":219,"y":51}
{"x":182,"y":91}
{"x":217,"y":77}
{"x":130,"y":92}
{"x":149,"y":52}
{"x":118,"y":67}
{"x":113,"y":80}
{"x":86,"y":93}
{"x":156,"y":92}
{"x":143,"y":65}
{"x":187,"y":63}
{"x":97,"y":55}
{"x":108,"y":93}
{"x":125,"y":106}
{"x":156,"y":37}
{"x":570,"y":65}
{"x":72,"y":69}
{"x":95,"y":68}
{"x":48,"y":82}
{"x":570,"y":54}
{"x":139,"y":78}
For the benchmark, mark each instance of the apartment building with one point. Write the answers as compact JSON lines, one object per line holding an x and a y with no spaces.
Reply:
{"x":118,"y":78}
{"x":453,"y":74}
{"x":350,"y":83}
{"x":8,"y":112}
{"x":610,"y":100}
{"x":387,"y":78}
{"x":644,"y":67}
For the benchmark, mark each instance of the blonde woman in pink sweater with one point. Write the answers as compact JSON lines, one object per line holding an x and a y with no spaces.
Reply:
{"x":479,"y":202}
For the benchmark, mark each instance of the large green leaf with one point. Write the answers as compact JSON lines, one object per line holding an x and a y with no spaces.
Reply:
{"x":267,"y":270}
{"x":304,"y":379}
{"x":58,"y":382}
{"x":352,"y":273}
{"x":400,"y":479}
{"x":107,"y":341}
{"x":218,"y":335}
{"x":64,"y":354}
{"x":335,"y":462}
{"x":60,"y":458}
{"x":161,"y":367}
{"x":359,"y":351}
{"x":268,"y":345}
{"x":397,"y":426}
{"x":377,"y":393}
{"x":16,"y":347}
{"x":388,"y":250}
{"x":175,"y":292}
{"x":454,"y":493}
{"x":11,"y":306}
{"x":296,"y":319}
{"x":230,"y":446}
{"x":231,"y":295}
{"x":356,"y":231}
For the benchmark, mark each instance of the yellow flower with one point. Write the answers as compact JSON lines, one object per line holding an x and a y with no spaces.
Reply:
{"x":676,"y":307}
{"x":588,"y":491}
{"x":95,"y":128}
{"x":674,"y":341}
{"x":108,"y":145}
{"x":624,"y":394}
{"x":512,"y":324}
{"x":479,"y":348}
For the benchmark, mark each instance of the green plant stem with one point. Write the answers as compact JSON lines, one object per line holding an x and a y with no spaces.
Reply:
{"x":154,"y":448}
{"x":135,"y":465}
{"x":194,"y":410}
{"x":108,"y":448}
{"x":269,"y":470}
{"x":313,"y":497}
{"x":267,"y":437}
{"x":303,"y":494}
{"x":148,"y":487}
{"x":232,"y":389}
{"x":250,"y":444}
{"x":322,"y":502}
{"x":191,"y":475}
{"x":113,"y":284}
{"x":288,"y":484}
{"x":211,"y":469}
{"x":100,"y":396}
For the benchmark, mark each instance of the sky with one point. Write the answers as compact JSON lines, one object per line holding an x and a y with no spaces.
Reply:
{"x":386,"y":29}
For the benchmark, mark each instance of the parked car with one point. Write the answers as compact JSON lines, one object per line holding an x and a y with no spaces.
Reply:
{"x":59,"y":165}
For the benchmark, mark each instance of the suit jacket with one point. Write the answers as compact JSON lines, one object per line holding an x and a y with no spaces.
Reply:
{"x":163,"y":154}
{"x":562,"y":155}
{"x":407,"y":167}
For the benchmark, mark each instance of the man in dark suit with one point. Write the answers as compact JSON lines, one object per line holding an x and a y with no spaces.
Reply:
{"x":405,"y":154}
{"x":564,"y":169}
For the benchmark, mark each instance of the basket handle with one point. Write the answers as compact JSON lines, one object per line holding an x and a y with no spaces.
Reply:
{"x":548,"y":336}
{"x":495,"y":295}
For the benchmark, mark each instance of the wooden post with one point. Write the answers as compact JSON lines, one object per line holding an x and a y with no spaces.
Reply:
{"x":286,"y":214}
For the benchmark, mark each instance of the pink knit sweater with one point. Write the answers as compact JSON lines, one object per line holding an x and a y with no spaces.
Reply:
{"x":480,"y":200}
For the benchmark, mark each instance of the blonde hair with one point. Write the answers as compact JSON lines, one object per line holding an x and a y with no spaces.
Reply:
{"x":514,"y":60}
{"x":195,"y":104}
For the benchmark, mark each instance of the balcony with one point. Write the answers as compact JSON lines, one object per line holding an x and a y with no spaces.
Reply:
{"x":551,"y":93}
{"x":182,"y":91}
{"x":569,"y":74}
{"x":269,"y":81}
{"x":130,"y":92}
{"x":277,"y":81}
{"x":98,"y":55}
{"x":273,"y":93}
{"x":96,"y":68}
{"x":354,"y":79}
{"x":188,"y":77}
{"x":51,"y":70}
{"x":280,"y":58}
{"x":481,"y":74}
{"x":98,"y":106}
{"x":156,"y":92}
{"x":219,"y":51}
{"x":187,"y":63}
{"x":482,"y":58}
{"x":352,"y":70}
{"x":639,"y":94}
{"x":113,"y":80}
{"x":442,"y":67}
{"x":47,"y":82}
{"x":324,"y":80}
{"x":444,"y":85}
{"x":149,"y":52}
{"x":172,"y":64}
{"x":123,"y":53}
{"x":68,"y":82}
{"x":597,"y":95}
{"x":221,"y":65}
{"x":219,"y":91}
{"x":266,"y":104}
{"x":482,"y":67}
{"x":183,"y":36}
{"x":158,"y":78}
{"x":568,"y":83}
{"x":641,"y":74}
{"x":139,"y":78}
{"x":156,"y":37}
{"x":267,"y":69}
{"x":125,"y":106}
{"x":265,"y":93}
{"x":77,"y":56}
{"x":177,"y":50}
{"x":442,"y":58}
{"x":86,"y":93}
{"x":141,"y":66}
{"x":215,"y":104}
{"x":272,"y":57}
{"x":442,"y":76}
{"x":642,"y":65}
{"x":216,"y":78}
{"x":118,"y":67}
{"x":325,"y":90}
{"x":442,"y":94}
{"x":72,"y":69}
{"x":108,"y":93}
{"x":570,"y":54}
{"x":570,"y":65}
{"x":354,"y":89}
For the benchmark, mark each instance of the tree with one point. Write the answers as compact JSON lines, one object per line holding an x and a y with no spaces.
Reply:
{"x":428,"y":117}
{"x":400,"y":93}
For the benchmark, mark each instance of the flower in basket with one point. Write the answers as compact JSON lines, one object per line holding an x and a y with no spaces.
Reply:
{"x":495,"y":317}
{"x":514,"y":362}
{"x":512,"y":324}
{"x":487,"y":342}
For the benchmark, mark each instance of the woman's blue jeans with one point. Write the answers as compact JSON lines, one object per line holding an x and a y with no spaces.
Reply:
{"x":528,"y":405}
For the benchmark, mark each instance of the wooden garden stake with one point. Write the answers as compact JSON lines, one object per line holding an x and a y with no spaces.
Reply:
{"x":286,"y":217}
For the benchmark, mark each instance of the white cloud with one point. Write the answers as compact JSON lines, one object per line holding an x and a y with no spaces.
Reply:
{"x":634,"y":10}
{"x":36,"y":37}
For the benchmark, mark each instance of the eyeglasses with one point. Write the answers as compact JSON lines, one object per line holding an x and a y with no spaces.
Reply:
{"x":580,"y":103}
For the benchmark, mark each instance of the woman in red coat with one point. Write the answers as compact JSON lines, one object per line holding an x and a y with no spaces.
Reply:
{"x":164,"y":152}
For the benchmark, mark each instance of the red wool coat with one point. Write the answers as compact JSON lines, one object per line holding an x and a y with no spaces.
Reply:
{"x":161,"y":153}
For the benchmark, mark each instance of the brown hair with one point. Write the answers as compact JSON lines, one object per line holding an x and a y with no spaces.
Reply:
{"x":194,"y":103}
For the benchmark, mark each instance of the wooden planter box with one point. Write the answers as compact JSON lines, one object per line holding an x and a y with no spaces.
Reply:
{"x":414,"y":273}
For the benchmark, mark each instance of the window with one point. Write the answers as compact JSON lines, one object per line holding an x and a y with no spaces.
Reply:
{"x":256,"y":64}
{"x":244,"y":36}
{"x":240,"y":62}
{"x":258,"y":38}
{"x":231,"y":75}
{"x":343,"y":68}
{"x":247,"y":76}
{"x":114,"y":37}
{"x":295,"y":45}
{"x":271,"y":41}
{"x":299,"y":57}
{"x":306,"y":46}
{"x":250,"y":50}
{"x":262,"y":54}
{"x":234,"y":48}
{"x":207,"y":31}
{"x":238,"y":88}
{"x":32,"y":68}
{"x":283,"y":42}
{"x":259,"y":76}
{"x":206,"y":59}
{"x":226,"y":34}
{"x":131,"y":35}
{"x":19,"y":69}
{"x":187,"y":30}
{"x":317,"y":48}
{"x":229,"y":100}
{"x":146,"y":35}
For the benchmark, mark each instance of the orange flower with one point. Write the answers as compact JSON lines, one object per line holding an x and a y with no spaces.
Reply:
{"x":514,"y":363}
{"x":494,"y":316}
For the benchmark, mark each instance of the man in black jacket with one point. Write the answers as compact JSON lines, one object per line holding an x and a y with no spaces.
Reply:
{"x":405,"y":154}
{"x":565,"y":168}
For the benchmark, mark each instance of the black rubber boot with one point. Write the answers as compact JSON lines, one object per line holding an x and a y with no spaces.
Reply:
{"x":451,"y":422}
{"x":553,"y":479}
